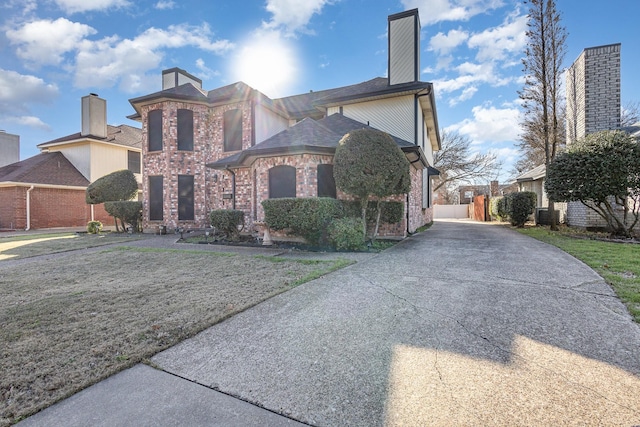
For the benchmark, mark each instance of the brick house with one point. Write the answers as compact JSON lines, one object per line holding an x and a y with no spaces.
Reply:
{"x":233,"y":147}
{"x":48,"y":189}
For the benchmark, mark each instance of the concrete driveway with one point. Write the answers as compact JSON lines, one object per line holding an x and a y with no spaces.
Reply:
{"x":465,"y":324}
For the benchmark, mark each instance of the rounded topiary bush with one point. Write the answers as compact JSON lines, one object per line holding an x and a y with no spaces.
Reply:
{"x":228,"y":222}
{"x":345,"y":234}
{"x":522,"y":205}
{"x":94,"y":227}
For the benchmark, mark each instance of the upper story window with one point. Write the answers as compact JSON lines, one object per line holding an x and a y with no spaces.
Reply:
{"x":185,"y":130}
{"x":154,"y":130}
{"x":326,"y":182}
{"x":282,"y":182}
{"x":233,"y":130}
{"x":133,"y":160}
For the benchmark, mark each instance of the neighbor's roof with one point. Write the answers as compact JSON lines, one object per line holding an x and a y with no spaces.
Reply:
{"x":307,"y":136}
{"x":44,"y":168}
{"x":633,"y":130}
{"x":124,"y":135}
{"x":532,"y":175}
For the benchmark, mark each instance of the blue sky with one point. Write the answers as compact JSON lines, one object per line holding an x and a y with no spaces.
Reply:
{"x":53,"y":52}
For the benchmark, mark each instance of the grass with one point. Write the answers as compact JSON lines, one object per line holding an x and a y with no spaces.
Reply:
{"x":72,"y":321}
{"x":25,"y":246}
{"x":617,"y":263}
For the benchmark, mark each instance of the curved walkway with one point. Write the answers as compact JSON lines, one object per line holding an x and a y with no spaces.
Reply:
{"x":465,"y":324}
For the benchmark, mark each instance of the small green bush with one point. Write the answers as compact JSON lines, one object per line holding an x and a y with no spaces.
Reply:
{"x":94,"y":227}
{"x":497,"y":208}
{"x":521,"y":205}
{"x":305,"y":217}
{"x":345,"y":234}
{"x":228,"y":222}
{"x":127,"y":211}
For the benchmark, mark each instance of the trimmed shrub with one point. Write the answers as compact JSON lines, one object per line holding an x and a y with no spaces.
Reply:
{"x":497,"y":208}
{"x":305,"y":217}
{"x":118,"y":185}
{"x":345,"y":234}
{"x":228,"y":222}
{"x":127,"y":211}
{"x":520,"y":206}
{"x":94,"y":227}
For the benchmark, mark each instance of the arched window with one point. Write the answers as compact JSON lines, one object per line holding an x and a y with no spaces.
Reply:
{"x":282,"y":182}
{"x":326,"y":182}
{"x":154,"y":130}
{"x":185,"y":130}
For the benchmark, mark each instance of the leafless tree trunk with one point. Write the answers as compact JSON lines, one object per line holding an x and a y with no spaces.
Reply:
{"x":546,"y":47}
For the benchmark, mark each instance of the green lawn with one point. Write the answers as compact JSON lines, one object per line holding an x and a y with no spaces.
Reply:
{"x":617,"y":263}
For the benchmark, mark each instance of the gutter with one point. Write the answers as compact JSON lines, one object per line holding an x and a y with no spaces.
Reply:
{"x":29,"y":207}
{"x":233,"y":186}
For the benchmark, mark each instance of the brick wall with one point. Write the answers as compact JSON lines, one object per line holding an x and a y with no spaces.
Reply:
{"x":50,"y":208}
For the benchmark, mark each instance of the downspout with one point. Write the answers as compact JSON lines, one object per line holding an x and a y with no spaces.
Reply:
{"x":233,"y":187}
{"x":29,"y":208}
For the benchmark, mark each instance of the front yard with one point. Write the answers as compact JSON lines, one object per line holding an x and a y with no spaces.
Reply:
{"x":71,"y":321}
{"x":617,"y":263}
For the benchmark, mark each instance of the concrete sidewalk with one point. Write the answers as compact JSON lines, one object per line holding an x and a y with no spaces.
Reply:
{"x":465,"y":324}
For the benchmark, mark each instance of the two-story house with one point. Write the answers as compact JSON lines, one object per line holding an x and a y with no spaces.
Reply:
{"x":234,"y":147}
{"x":48,"y":189}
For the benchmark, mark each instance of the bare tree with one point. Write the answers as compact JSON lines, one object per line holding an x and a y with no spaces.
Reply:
{"x":546,"y":47}
{"x":630,"y":114}
{"x":456,"y":163}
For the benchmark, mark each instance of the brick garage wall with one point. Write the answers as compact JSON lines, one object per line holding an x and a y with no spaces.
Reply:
{"x":50,"y":208}
{"x":12,"y":208}
{"x":417,"y":215}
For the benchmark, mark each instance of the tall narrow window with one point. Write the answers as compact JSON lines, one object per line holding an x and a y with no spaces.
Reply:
{"x":185,"y":197}
{"x":133,"y":160}
{"x":233,"y":130}
{"x":326,"y":182}
{"x":185,"y":130}
{"x":156,"y":190}
{"x":282,"y":182}
{"x":154,"y":130}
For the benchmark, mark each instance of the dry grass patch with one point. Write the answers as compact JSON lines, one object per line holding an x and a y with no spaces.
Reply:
{"x":26,"y":246}
{"x":70,"y":322}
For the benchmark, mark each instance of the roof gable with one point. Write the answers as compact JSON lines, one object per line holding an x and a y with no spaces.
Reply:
{"x":124,"y":135}
{"x":44,"y":168}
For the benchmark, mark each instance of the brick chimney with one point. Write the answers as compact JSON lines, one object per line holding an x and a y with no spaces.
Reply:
{"x":494,"y":188}
{"x":404,"y":47}
{"x":94,"y":116}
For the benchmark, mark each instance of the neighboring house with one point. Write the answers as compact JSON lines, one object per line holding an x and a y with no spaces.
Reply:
{"x":48,"y":189}
{"x":466,"y":193}
{"x":233,"y":147}
{"x":533,"y":181}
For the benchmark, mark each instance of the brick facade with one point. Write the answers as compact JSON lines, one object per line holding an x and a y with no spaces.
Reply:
{"x":50,"y":208}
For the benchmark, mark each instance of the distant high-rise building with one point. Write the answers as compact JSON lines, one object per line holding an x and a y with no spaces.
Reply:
{"x":593,"y":92}
{"x":9,"y":148}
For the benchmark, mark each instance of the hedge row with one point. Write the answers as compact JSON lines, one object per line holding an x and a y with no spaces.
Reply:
{"x":311,"y":217}
{"x":514,"y":207}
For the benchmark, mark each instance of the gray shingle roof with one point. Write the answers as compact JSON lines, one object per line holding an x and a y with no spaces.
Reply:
{"x":533,"y":174}
{"x":44,"y":168}
{"x":125,"y":135}
{"x":308,"y":135}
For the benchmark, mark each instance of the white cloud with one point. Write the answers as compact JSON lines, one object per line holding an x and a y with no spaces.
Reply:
{"x":29,"y":121}
{"x":74,"y":6}
{"x":18,"y":91}
{"x":106,"y":62}
{"x":165,"y":4}
{"x":490,"y":124}
{"x":205,"y":72}
{"x":472,"y":74}
{"x":445,"y":43}
{"x":293,"y":15}
{"x":464,"y":96}
{"x":433,"y":11}
{"x":44,"y":42}
{"x":499,"y":43}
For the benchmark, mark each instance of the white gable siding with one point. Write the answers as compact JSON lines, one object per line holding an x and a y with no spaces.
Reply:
{"x":79,"y":155}
{"x":106,"y":159}
{"x":402,"y":51}
{"x":268,"y":123}
{"x":394,"y":115}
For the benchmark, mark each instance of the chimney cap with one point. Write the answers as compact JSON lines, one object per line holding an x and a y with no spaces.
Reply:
{"x":93,"y":94}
